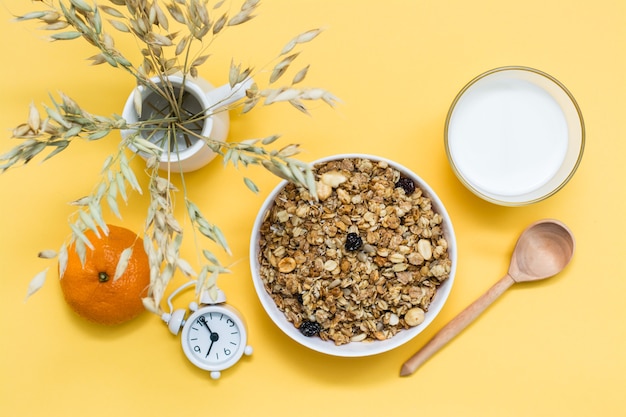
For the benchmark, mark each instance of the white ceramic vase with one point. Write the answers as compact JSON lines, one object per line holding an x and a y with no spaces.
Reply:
{"x":187,"y":152}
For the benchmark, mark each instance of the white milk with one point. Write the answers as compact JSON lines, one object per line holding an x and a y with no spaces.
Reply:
{"x":507,"y":136}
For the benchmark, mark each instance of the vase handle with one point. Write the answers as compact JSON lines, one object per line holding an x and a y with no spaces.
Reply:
{"x":225,"y":95}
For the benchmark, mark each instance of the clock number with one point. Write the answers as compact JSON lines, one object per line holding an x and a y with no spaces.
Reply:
{"x":230,"y":322}
{"x":226,"y":351}
{"x":197,"y":348}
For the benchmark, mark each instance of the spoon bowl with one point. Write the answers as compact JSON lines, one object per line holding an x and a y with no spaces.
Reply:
{"x":543,"y":250}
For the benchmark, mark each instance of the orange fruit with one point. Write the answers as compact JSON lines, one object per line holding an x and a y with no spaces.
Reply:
{"x":91,"y":290}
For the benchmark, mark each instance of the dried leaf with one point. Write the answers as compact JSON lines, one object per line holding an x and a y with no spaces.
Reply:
{"x":121,"y":186}
{"x":107,"y":164}
{"x":185,"y":268}
{"x":122,"y":27}
{"x":250,"y":4}
{"x":112,"y":185}
{"x":50,"y":16}
{"x":241,"y":17}
{"x":55,"y":26}
{"x":181,"y":45}
{"x":270,"y":139}
{"x":73,"y":131}
{"x":297,"y":173}
{"x":161,"y":18}
{"x":299,"y":105}
{"x":200,"y":60}
{"x":78,"y":233}
{"x":47,"y":254}
{"x":89,"y":222}
{"x":20,"y":131}
{"x":302,"y":38}
{"x":60,"y":145}
{"x":151,"y":305}
{"x":176,"y":13}
{"x":146,"y":146}
{"x":308,"y":36}
{"x":34,"y":120}
{"x":233,"y":73}
{"x":288,"y":47}
{"x":300,"y":75}
{"x":210,"y":257}
{"x":36,"y":283}
{"x":286,"y":95}
{"x":54,"y":115}
{"x":83,"y":201}
{"x":221,"y":239}
{"x":276,"y":170}
{"x":289,"y":150}
{"x":97,"y":22}
{"x":200,"y":281}
{"x":30,"y":16}
{"x":111,"y":11}
{"x":310,"y":182}
{"x":137,"y":101}
{"x":96,"y":212}
{"x":251,"y":185}
{"x":63,"y":255}
{"x":65,"y":36}
{"x":122,"y":263}
{"x":81,"y":5}
{"x":97,"y":59}
{"x":219,"y":24}
{"x":113,"y":206}
{"x":249,"y":105}
{"x":282,"y":66}
{"x":158,"y":39}
{"x":211,"y":285}
{"x":98,"y":135}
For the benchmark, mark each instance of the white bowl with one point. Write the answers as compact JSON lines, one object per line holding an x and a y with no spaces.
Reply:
{"x":514,"y":135}
{"x":355,"y":349}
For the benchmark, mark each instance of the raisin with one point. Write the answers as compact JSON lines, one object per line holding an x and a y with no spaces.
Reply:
{"x":406,"y":184}
{"x":310,"y":328}
{"x":353,"y":241}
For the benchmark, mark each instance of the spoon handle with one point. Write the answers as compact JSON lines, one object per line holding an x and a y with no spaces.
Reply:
{"x":456,"y":325}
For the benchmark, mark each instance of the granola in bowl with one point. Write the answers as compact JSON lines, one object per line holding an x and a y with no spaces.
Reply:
{"x":361,"y":270}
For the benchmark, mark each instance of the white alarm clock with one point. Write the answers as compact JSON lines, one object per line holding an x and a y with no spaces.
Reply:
{"x":214,"y":337}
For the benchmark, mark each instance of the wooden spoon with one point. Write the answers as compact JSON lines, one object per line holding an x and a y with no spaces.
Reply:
{"x":543,"y":249}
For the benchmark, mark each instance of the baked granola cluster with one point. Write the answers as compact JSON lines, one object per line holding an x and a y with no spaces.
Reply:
{"x":361,"y":263}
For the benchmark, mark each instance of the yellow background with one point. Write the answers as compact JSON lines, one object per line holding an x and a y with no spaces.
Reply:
{"x":555,"y":348}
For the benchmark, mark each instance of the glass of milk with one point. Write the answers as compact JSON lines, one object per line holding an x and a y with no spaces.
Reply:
{"x":514,"y":135}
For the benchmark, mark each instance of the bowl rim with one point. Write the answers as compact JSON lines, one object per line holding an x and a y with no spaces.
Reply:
{"x":534,"y":71}
{"x":354,"y":349}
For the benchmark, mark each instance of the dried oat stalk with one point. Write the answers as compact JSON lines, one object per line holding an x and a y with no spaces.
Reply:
{"x":174,"y":37}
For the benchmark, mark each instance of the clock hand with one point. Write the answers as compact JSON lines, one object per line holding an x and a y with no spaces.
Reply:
{"x":214,"y":338}
{"x":203,"y":321}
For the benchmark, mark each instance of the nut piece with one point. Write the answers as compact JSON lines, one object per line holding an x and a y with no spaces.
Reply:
{"x":414,"y":316}
{"x":425,"y":249}
{"x":323,"y":190}
{"x":333,"y":178}
{"x":330,"y":265}
{"x":286,"y":265}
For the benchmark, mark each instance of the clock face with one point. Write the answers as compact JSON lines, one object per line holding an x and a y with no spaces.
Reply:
{"x":214,"y":338}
